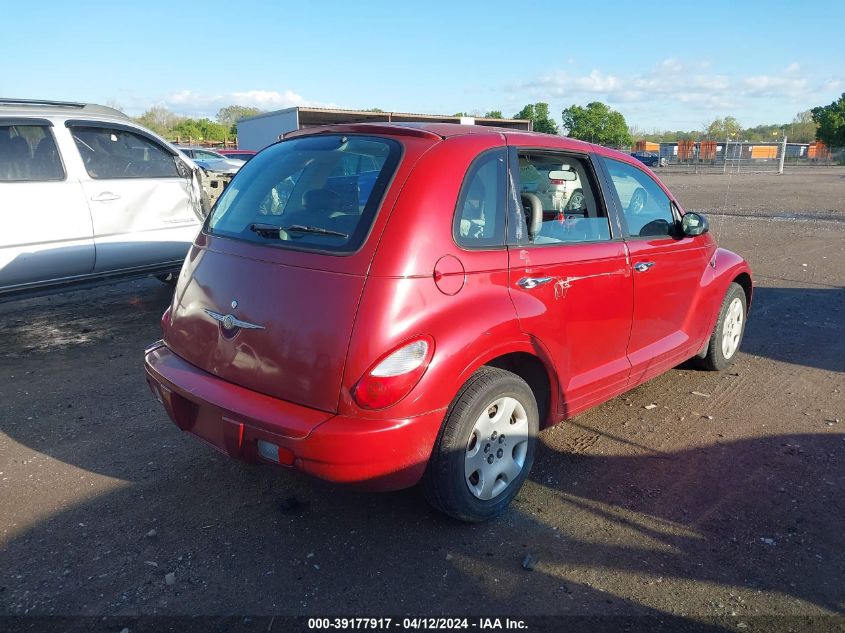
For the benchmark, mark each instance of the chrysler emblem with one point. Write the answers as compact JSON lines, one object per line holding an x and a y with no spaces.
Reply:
{"x":230,"y":322}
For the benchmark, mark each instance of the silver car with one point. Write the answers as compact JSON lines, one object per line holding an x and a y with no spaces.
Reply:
{"x":210,"y":160}
{"x":86,"y":193}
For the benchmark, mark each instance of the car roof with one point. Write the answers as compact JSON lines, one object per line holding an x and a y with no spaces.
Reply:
{"x":442,"y":131}
{"x":45,"y":109}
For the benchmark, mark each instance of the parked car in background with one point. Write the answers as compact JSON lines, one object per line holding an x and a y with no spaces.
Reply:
{"x":649,"y":158}
{"x":240,"y":154}
{"x":86,"y":193}
{"x":211,"y":160}
{"x":387,"y":304}
{"x":557,"y":185}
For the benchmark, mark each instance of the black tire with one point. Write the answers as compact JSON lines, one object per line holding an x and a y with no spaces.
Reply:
{"x":714,"y":358}
{"x":577,"y":201}
{"x":637,"y":202}
{"x":445,"y":484}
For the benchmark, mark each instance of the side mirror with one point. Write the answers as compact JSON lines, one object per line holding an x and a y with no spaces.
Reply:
{"x":182,"y":168}
{"x":694,"y":224}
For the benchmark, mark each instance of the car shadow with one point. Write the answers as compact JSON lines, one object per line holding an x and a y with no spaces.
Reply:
{"x":612,"y":534}
{"x":786,"y":325}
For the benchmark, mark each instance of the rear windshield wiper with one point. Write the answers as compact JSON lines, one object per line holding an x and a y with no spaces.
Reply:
{"x":267,"y":230}
{"x":300,"y":228}
{"x":271,"y":230}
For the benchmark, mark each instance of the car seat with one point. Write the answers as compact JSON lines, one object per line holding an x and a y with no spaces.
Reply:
{"x":46,"y":164}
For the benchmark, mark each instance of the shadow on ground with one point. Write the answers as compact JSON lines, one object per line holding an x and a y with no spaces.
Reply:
{"x":704,"y":530}
{"x":788,"y":325}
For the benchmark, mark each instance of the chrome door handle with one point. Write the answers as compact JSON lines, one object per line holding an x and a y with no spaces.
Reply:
{"x":106,"y":196}
{"x":532,"y":282}
{"x":641,"y":267}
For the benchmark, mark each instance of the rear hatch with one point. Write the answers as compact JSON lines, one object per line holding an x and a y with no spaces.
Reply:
{"x":268,"y":296}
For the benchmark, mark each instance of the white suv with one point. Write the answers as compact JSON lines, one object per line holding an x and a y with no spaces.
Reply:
{"x":86,"y":193}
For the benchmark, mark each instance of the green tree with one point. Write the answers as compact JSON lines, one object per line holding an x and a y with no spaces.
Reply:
{"x":494,"y":114}
{"x":720,"y":129}
{"x":803,"y":128}
{"x":538,"y":114}
{"x":597,"y":123}
{"x":187,"y":128}
{"x":160,"y":120}
{"x":201,"y":130}
{"x":230,"y":115}
{"x":831,"y":122}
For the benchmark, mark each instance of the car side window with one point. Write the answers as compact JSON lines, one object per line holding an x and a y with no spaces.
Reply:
{"x":479,"y":215}
{"x":646,"y":207}
{"x":559,"y":199}
{"x":28,"y":153}
{"x":115,"y":153}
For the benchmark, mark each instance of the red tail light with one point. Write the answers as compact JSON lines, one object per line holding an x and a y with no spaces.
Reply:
{"x":393,"y":375}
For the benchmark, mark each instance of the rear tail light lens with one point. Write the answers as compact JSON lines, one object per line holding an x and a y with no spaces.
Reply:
{"x":393,"y":376}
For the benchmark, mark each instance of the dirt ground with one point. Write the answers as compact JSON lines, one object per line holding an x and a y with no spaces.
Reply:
{"x":723,"y":504}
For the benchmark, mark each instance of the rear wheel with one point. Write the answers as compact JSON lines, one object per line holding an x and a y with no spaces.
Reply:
{"x":485,"y":448}
{"x":727,"y":335}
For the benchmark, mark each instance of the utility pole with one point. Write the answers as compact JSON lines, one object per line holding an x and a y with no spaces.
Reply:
{"x":782,"y":155}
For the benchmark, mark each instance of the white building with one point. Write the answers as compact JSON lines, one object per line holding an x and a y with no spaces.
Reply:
{"x":259,"y":131}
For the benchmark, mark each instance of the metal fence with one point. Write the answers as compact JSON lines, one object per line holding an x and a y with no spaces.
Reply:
{"x":229,"y":143}
{"x":707,"y":156}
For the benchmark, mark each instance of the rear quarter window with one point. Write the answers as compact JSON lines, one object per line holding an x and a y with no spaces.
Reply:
{"x":317,"y":193}
{"x":28,"y":153}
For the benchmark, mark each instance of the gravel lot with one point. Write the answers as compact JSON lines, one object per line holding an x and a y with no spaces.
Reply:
{"x":724,"y":503}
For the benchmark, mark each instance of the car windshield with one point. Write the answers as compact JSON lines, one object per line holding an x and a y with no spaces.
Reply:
{"x":313,"y":193}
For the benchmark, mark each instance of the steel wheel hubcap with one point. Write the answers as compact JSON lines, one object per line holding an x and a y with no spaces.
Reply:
{"x":732,"y":329}
{"x":496,"y":448}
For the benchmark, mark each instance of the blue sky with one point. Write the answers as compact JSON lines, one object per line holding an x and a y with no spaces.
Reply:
{"x":663,"y":65}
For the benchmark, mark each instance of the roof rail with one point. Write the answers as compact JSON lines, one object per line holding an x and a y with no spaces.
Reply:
{"x":92,"y":108}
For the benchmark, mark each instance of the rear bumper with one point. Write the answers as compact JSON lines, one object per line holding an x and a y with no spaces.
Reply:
{"x":374,"y":454}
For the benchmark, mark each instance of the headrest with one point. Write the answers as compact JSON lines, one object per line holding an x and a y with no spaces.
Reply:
{"x":534,"y":212}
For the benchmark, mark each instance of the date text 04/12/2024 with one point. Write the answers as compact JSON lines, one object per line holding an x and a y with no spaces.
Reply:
{"x":416,"y":624}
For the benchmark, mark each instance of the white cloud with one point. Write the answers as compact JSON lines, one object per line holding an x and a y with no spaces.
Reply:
{"x":684,"y":89}
{"x":671,"y":65}
{"x":191,"y":103}
{"x":773,"y":86}
{"x":597,"y":82}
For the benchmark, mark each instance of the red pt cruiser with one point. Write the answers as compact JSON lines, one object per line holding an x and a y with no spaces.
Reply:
{"x":388,"y":305}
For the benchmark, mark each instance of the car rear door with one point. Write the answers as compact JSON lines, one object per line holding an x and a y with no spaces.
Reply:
{"x":571,"y":284}
{"x":667,"y":270}
{"x":140,"y":201}
{"x":46,"y":229}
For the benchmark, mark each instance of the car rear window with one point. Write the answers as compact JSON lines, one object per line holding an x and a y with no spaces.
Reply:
{"x":316,"y":193}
